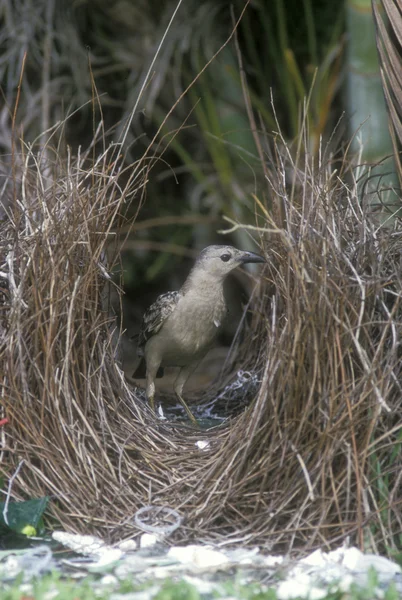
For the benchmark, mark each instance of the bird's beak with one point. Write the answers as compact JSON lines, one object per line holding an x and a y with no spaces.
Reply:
{"x":250,"y":257}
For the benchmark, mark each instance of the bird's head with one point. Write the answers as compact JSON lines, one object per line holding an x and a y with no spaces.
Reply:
{"x":220,"y":260}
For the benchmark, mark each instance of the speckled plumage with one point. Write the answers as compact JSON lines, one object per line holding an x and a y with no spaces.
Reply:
{"x":155,"y":316}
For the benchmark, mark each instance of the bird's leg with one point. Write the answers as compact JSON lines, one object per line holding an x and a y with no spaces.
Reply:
{"x":151,"y":374}
{"x":151,"y":395}
{"x":181,"y":379}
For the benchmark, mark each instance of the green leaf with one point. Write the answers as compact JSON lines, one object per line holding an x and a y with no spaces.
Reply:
{"x":24,"y":515}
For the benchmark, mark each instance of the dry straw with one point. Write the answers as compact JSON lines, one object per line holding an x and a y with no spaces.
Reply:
{"x":313,"y":459}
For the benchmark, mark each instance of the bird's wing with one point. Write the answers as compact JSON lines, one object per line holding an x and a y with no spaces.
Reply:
{"x":156,"y":315}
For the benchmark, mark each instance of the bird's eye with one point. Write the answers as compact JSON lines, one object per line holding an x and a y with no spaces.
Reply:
{"x":226,"y":257}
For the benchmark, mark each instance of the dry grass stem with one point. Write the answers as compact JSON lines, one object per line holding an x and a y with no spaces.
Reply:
{"x":313,"y":459}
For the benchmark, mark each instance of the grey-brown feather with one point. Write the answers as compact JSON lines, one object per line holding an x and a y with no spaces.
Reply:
{"x":155,"y":317}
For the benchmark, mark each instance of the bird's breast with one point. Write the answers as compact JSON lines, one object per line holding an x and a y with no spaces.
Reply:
{"x":191,"y":329}
{"x":197,"y":322}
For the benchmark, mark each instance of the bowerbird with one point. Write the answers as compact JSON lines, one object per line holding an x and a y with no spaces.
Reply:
{"x":180,"y":327}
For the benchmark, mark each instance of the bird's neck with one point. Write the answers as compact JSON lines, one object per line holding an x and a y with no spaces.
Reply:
{"x":203,"y":283}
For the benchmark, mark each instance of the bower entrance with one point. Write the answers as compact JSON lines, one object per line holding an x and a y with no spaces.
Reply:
{"x":296,"y":469}
{"x":220,"y":387}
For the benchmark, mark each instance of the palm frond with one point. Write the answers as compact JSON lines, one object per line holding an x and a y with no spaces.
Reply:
{"x":389,"y":43}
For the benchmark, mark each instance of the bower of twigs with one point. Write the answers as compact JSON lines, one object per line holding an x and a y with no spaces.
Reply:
{"x":313,"y":459}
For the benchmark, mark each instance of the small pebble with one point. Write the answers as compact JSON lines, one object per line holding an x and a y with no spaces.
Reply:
{"x":202,"y":444}
{"x":109,"y":580}
{"x":148,"y":540}
{"x":128,"y":546}
{"x":202,"y":557}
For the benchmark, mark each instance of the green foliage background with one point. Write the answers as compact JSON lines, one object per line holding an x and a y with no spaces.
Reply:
{"x":212,"y":165}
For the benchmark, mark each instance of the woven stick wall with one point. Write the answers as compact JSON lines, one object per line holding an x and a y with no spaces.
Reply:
{"x":301,"y":467}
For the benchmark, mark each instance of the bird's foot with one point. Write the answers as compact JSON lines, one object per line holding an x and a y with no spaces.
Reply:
{"x":188,"y":411}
